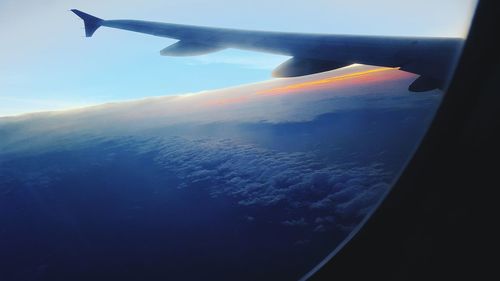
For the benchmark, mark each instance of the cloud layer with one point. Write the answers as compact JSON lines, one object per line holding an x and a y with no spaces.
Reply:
{"x":338,"y":193}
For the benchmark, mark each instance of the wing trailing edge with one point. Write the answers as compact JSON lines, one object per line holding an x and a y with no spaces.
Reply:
{"x":424,"y":84}
{"x":185,"y":48}
{"x":299,"y":66}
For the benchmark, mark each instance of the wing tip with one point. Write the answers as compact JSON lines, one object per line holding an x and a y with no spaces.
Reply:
{"x":90,"y":22}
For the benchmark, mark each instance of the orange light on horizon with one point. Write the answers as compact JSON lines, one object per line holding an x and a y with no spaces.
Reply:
{"x":316,"y":84}
{"x":352,"y":79}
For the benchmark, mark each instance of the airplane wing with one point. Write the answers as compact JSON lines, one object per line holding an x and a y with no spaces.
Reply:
{"x":432,"y":58}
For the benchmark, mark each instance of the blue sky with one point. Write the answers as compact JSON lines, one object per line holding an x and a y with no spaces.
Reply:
{"x":47,"y":64}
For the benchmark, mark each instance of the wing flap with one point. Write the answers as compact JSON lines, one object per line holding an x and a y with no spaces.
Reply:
{"x":424,"y":84}
{"x":300,"y":66}
{"x":186,"y":48}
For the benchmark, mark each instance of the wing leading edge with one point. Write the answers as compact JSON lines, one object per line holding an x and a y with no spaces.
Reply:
{"x":430,"y":57}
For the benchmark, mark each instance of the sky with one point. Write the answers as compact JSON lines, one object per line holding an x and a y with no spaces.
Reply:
{"x":46,"y":63}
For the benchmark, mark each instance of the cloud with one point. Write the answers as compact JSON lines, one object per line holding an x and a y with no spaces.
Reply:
{"x":302,"y":191}
{"x":317,"y":194}
{"x":295,"y":222}
{"x":320,"y":228}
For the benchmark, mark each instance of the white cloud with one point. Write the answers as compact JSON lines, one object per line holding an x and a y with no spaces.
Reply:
{"x":261,"y":177}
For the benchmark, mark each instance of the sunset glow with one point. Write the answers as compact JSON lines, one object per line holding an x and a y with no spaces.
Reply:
{"x":359,"y":77}
{"x":355,"y":76}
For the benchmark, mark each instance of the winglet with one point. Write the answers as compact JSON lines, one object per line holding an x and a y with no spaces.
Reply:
{"x":91,"y":23}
